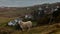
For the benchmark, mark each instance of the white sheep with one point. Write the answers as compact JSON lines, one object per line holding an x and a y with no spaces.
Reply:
{"x":24,"y":25}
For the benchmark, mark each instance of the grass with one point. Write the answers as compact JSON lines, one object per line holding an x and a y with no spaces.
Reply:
{"x":40,"y":30}
{"x":4,"y":20}
{"x":51,"y":29}
{"x":45,"y":29}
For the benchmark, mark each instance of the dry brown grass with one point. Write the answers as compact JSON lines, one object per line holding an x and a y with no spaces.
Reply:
{"x":51,"y":29}
{"x":45,"y":29}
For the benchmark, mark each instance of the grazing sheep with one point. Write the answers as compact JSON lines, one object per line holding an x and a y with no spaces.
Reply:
{"x":24,"y":25}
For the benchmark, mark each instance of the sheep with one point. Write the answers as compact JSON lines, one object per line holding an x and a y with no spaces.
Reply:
{"x":24,"y":25}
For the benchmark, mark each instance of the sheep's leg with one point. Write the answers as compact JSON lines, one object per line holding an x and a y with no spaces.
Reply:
{"x":28,"y":29}
{"x":29,"y":26}
{"x":22,"y":28}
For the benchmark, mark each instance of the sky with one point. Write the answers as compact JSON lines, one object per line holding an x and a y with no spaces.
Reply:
{"x":24,"y":3}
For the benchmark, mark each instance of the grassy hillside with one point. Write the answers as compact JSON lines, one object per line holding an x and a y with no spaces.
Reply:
{"x":9,"y":14}
{"x":46,"y":29}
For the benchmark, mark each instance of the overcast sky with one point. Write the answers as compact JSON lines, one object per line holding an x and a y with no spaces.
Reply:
{"x":24,"y":3}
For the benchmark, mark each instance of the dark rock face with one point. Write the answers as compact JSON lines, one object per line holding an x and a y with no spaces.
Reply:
{"x":56,"y":13}
{"x":46,"y":19}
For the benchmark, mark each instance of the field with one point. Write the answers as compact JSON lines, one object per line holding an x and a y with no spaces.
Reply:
{"x":45,"y":29}
{"x":9,"y":14}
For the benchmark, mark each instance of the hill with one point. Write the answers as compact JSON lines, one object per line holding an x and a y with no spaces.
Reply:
{"x":17,"y":11}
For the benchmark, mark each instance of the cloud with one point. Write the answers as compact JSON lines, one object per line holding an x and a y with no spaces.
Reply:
{"x":22,"y":3}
